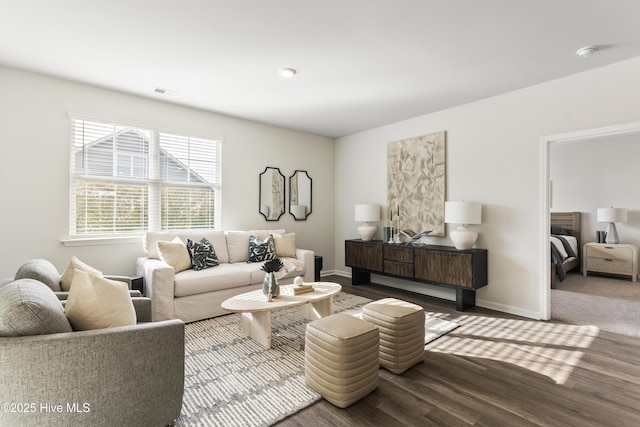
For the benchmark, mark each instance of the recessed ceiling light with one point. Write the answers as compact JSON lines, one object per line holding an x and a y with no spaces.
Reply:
{"x":583,"y":52}
{"x":287,"y":72}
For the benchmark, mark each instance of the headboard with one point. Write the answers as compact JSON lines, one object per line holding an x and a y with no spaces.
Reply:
{"x":568,"y":220}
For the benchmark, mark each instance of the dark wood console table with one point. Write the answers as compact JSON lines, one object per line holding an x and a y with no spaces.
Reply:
{"x":463,"y":270}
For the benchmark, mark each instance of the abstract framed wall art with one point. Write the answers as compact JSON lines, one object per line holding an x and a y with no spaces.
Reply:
{"x":416,"y":184}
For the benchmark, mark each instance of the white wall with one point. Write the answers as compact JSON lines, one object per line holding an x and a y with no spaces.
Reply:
{"x":34,"y":169}
{"x":597,"y":173}
{"x":493,"y":156}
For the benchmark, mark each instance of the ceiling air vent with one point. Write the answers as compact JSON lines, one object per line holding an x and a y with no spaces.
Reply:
{"x":163,"y":91}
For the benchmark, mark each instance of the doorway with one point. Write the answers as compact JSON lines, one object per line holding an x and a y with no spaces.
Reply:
{"x":574,"y":140}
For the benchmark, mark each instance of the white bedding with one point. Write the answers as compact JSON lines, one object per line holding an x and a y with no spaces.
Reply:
{"x":573,"y":242}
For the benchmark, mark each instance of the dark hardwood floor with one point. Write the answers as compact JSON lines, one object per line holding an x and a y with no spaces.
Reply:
{"x":497,"y":370}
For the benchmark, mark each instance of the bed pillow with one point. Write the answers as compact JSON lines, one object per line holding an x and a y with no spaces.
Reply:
{"x":29,"y":307}
{"x":561,"y":231}
{"x":285,"y":245}
{"x":97,"y":303}
{"x":74,"y":265}
{"x":175,"y":253}
{"x":41,"y":270}
{"x":260,"y":251}
{"x":202,"y":254}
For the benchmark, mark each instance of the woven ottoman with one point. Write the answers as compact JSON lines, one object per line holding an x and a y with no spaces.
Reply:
{"x":401,"y":326}
{"x":341,"y":358}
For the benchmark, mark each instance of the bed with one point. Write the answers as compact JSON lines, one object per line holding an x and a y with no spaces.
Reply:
{"x":565,"y":244}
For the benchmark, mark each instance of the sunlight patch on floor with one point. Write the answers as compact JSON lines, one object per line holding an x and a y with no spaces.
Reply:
{"x":549,"y":349}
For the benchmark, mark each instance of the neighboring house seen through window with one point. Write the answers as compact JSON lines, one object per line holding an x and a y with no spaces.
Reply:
{"x":127,"y":180}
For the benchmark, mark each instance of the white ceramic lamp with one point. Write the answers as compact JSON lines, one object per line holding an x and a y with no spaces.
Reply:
{"x":612,"y":215}
{"x":367,"y":214}
{"x":463,"y":213}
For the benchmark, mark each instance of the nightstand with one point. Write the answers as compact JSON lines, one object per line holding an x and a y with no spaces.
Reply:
{"x":621,"y":259}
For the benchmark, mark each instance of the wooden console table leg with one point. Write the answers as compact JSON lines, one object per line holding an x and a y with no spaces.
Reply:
{"x":257,"y":325}
{"x":465,"y":298}
{"x":359,"y":277}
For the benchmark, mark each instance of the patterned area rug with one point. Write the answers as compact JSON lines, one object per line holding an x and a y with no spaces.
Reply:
{"x":231,"y":380}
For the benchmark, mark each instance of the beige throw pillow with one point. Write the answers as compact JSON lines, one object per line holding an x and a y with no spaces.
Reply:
{"x":285,"y":245}
{"x":74,"y":265}
{"x":175,"y":253}
{"x":97,"y":303}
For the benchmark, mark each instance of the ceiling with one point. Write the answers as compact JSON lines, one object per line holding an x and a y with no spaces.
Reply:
{"x":361,"y":63}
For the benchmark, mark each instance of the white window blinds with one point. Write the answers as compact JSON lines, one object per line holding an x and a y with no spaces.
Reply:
{"x":126,"y":180}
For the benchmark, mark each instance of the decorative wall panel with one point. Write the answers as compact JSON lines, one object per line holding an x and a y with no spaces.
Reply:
{"x":416,"y":183}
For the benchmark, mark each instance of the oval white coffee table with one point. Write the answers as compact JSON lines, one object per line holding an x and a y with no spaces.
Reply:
{"x":255,"y":310}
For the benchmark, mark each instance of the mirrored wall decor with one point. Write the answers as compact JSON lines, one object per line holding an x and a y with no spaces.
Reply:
{"x":271,"y":203}
{"x":300,"y":195}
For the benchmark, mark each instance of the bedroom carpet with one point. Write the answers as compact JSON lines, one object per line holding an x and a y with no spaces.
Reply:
{"x":231,"y":380}
{"x":610,"y":304}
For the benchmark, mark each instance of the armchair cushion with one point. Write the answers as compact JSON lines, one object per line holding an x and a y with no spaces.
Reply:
{"x":41,"y":270}
{"x":74,"y":265}
{"x":96,"y":303}
{"x":28,"y":307}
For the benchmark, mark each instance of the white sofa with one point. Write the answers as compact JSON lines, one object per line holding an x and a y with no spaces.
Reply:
{"x":192,"y":295}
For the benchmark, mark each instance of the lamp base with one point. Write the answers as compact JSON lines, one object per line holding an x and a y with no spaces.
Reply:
{"x":612,"y":234}
{"x":463,"y":237}
{"x":367,"y":231}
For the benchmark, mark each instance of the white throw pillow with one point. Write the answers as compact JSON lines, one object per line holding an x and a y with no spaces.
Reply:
{"x":97,"y":303}
{"x":75,"y":264}
{"x":285,"y":245}
{"x":175,"y":253}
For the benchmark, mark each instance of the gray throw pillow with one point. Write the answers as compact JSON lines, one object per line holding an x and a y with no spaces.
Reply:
{"x":202,"y":254}
{"x":42,"y":271}
{"x":28,"y":307}
{"x":261,"y":250}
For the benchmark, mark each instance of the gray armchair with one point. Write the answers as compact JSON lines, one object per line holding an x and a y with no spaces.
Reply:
{"x":44,"y":271}
{"x":123,"y":376}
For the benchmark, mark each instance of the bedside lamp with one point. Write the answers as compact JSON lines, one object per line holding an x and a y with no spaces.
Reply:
{"x":612,"y":215}
{"x":367,"y":214}
{"x":463,"y":213}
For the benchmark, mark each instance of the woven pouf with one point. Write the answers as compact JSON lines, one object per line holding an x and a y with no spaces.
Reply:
{"x":401,"y":326}
{"x":341,"y":358}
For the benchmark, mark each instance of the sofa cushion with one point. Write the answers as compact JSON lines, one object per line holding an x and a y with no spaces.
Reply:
{"x":260,"y":251}
{"x":224,"y":276}
{"x":175,"y":253}
{"x":29,"y":307}
{"x":202,"y":253}
{"x":151,"y":239}
{"x":43,"y":271}
{"x":285,"y":245}
{"x":238,"y":242}
{"x":238,"y":245}
{"x":96,"y":303}
{"x":217,"y":239}
{"x":74,"y":265}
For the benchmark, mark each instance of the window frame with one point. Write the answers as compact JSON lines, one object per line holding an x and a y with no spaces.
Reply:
{"x":153,"y":181}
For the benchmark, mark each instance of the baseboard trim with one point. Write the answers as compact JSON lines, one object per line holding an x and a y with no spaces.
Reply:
{"x":324,"y":273}
{"x":517,"y":311}
{"x":442,"y":293}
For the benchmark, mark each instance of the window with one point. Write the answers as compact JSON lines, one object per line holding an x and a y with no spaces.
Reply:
{"x":127,"y":180}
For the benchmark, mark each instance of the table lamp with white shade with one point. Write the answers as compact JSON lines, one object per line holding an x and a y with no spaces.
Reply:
{"x":367,"y":214}
{"x":464,"y":214}
{"x":612,"y":215}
